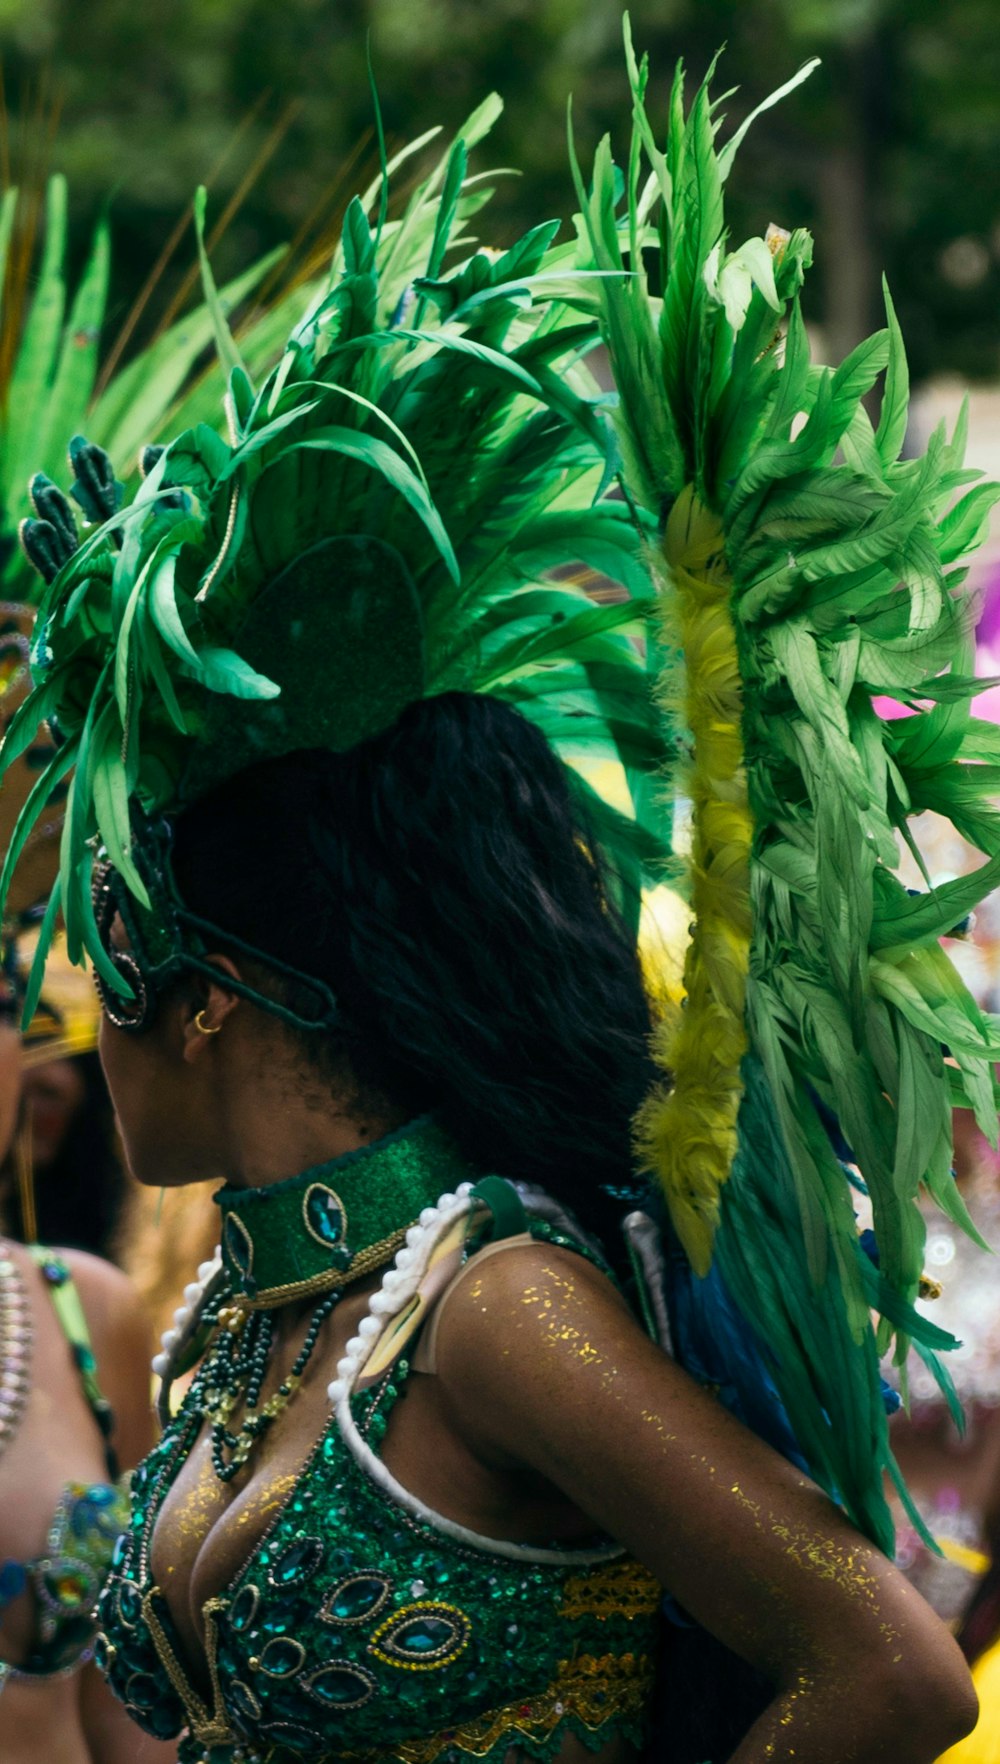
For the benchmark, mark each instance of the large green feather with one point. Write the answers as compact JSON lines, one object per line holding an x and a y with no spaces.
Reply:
{"x":841,"y":556}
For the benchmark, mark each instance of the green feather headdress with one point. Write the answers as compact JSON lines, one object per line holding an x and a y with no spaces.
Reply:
{"x":803,"y":567}
{"x":382,"y":525}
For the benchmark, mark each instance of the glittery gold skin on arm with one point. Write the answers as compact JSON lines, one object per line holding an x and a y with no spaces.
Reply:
{"x":751,"y":1548}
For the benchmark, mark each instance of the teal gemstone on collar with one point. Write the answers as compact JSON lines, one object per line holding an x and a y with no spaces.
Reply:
{"x":324,"y":1215}
{"x":238,"y":1243}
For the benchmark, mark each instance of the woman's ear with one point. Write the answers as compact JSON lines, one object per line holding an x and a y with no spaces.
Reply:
{"x":210,"y":1003}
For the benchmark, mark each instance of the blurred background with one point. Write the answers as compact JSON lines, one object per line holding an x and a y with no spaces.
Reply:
{"x":890,"y":150}
{"x":890,"y":153}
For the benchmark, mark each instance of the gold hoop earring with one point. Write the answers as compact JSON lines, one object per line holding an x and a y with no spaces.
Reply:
{"x":205,"y":1028}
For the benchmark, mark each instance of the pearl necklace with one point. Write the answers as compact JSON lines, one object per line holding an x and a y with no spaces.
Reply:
{"x":16,"y":1342}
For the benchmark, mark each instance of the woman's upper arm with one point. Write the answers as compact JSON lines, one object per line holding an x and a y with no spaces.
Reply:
{"x":121,"y":1338}
{"x":542,"y":1364}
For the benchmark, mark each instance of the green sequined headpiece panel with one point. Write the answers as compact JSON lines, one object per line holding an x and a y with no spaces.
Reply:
{"x":408,"y":503}
{"x":341,"y":632}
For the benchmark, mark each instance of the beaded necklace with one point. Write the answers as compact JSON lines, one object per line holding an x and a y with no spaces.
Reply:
{"x":314,"y":1233}
{"x":16,"y":1342}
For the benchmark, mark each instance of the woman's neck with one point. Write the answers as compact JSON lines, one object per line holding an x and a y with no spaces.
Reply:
{"x":288,"y":1141}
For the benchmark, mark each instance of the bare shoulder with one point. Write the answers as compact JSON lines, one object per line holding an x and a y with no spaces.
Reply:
{"x":510,"y":1304}
{"x":110,"y":1302}
{"x":121,"y":1337}
{"x":98,"y":1279}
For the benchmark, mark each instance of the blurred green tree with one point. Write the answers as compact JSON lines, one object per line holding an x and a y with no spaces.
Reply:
{"x":889,"y":151}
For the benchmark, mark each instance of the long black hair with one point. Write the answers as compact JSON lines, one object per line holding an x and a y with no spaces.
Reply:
{"x":440,"y":881}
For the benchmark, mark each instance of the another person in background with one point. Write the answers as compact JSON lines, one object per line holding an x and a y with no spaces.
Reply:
{"x":64,"y":1154}
{"x":74,"y":1407}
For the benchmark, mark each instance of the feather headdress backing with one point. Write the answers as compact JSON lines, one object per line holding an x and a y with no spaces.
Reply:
{"x":382,"y":524}
{"x":804,"y":567}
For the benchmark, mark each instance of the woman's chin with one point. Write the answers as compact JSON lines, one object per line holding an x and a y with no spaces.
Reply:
{"x":152,"y":1170}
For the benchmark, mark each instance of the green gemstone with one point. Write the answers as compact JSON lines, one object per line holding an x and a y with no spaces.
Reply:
{"x":243,"y":1608}
{"x":162,"y":1721}
{"x":143,"y":1689}
{"x":242,"y":1700}
{"x":324,"y":1215}
{"x":298,"y":1562}
{"x":340,"y":1686}
{"x":238,"y":1243}
{"x":282,"y":1657}
{"x":286,"y":1733}
{"x":129,"y":1603}
{"x":104,"y":1653}
{"x":427,"y":1635}
{"x":358,"y":1597}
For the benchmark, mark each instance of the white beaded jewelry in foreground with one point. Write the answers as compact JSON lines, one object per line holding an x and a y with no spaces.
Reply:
{"x":193,"y":1294}
{"x":398,"y":1286}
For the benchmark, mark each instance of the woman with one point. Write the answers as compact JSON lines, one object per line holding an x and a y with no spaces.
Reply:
{"x":72,"y":1134}
{"x":67,"y":1320}
{"x":360,"y":936}
{"x":541,"y":1414}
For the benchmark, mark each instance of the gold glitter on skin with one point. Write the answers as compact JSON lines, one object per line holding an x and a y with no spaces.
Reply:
{"x":775,"y":1587}
{"x":849,"y":1568}
{"x":264,"y":1502}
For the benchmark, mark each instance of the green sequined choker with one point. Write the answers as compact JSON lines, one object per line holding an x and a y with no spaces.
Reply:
{"x":336,"y":1222}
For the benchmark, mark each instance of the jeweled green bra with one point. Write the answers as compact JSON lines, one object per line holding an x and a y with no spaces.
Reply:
{"x":365,"y":1627}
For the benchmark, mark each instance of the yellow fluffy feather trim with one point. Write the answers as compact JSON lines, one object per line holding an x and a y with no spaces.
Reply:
{"x":686,"y":1131}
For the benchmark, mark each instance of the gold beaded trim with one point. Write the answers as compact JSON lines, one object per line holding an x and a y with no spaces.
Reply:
{"x":365,"y":1262}
{"x":623,"y":1589}
{"x":595,"y":1689}
{"x":381,"y":1645}
{"x":211,"y":1728}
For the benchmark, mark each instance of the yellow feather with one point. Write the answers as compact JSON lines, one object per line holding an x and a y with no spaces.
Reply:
{"x":686,"y":1130}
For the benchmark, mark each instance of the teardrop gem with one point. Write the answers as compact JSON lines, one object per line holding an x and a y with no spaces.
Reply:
{"x":143,"y":1688}
{"x":340,"y":1686}
{"x":241,"y":1699}
{"x":324,"y":1215}
{"x":297,"y":1739}
{"x":422,"y":1636}
{"x":298,"y":1562}
{"x":244,"y":1608}
{"x":129,"y":1603}
{"x":356,"y":1598}
{"x":238,"y":1243}
{"x":282,"y":1657}
{"x":104,"y":1653}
